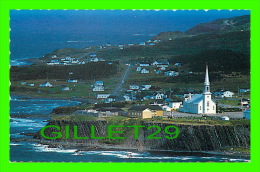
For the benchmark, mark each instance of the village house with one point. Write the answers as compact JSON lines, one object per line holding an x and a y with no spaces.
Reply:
{"x":144,"y":64}
{"x":144,"y":71}
{"x":103,"y":96}
{"x":200,"y":103}
{"x":142,"y":43}
{"x":23,"y":83}
{"x":111,"y":99}
{"x":175,"y":105}
{"x":157,"y":102}
{"x":158,"y":95}
{"x":245,"y":102}
{"x":155,"y":63}
{"x":111,"y":111}
{"x":72,"y":80}
{"x":65,"y":88}
{"x":134,"y":87}
{"x":222,"y":94}
{"x":92,"y":54}
{"x":31,"y":85}
{"x":98,"y":88}
{"x":45,"y":84}
{"x":93,"y":59}
{"x":171,"y":73}
{"x":138,"y":69}
{"x":142,"y":111}
{"x":99,"y":83}
{"x":127,"y":98}
{"x":146,"y":87}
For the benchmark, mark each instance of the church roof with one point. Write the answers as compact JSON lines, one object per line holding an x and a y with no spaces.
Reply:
{"x":196,"y":99}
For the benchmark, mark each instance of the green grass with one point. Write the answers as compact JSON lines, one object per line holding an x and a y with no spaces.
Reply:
{"x":74,"y":118}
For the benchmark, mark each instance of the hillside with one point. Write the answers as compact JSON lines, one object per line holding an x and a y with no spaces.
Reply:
{"x":220,"y":25}
{"x":222,"y":35}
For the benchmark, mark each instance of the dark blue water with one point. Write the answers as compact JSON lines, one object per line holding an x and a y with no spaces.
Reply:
{"x":31,"y":151}
{"x":35,"y":33}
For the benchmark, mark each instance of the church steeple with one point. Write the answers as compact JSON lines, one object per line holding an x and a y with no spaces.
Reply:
{"x":207,"y":83}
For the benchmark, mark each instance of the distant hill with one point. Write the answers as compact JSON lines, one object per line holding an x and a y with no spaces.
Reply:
{"x":169,"y":35}
{"x":220,"y":25}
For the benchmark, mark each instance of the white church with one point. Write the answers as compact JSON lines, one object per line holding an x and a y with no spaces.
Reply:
{"x":200,"y":103}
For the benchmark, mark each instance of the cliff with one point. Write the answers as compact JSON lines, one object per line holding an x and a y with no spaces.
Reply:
{"x":192,"y":137}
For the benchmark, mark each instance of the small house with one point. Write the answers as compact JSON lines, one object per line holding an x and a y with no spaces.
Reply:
{"x":99,"y":88}
{"x":246,"y":114}
{"x":65,"y":88}
{"x":134,"y":87}
{"x":225,"y":118}
{"x":144,"y":71}
{"x":72,"y":80}
{"x":99,"y":83}
{"x":46,"y":84}
{"x":102,"y":96}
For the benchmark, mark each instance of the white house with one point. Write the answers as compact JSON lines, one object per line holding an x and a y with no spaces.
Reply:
{"x":99,"y":88}
{"x":158,"y":95}
{"x":31,"y":85}
{"x":175,"y":105}
{"x":171,"y":73}
{"x":72,"y":80}
{"x":225,"y":118}
{"x":144,"y":64}
{"x":46,"y":84}
{"x":65,"y":88}
{"x":244,"y":90}
{"x":146,"y":87}
{"x":138,"y":69}
{"x":102,"y":96}
{"x":94,"y":59}
{"x":223,"y":94}
{"x":92,"y":54}
{"x":155,"y":63}
{"x":134,"y":87}
{"x":142,"y":43}
{"x":200,"y":103}
{"x":23,"y":83}
{"x":144,"y":71}
{"x":127,"y":98}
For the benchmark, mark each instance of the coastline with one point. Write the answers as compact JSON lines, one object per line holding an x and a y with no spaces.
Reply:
{"x":108,"y":147}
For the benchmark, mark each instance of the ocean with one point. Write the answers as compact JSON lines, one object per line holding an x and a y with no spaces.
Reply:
{"x":35,"y":33}
{"x":26,"y":151}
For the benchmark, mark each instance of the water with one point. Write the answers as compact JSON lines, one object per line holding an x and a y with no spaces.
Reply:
{"x":26,"y":151}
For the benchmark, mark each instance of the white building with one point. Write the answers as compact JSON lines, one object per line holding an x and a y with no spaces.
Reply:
{"x":200,"y":103}
{"x":46,"y":84}
{"x":102,"y":96}
{"x":138,"y":69}
{"x":246,"y":114}
{"x":223,"y":94}
{"x":72,"y":80}
{"x":99,"y":88}
{"x":175,"y":105}
{"x":145,"y":71}
{"x":134,"y":87}
{"x":225,"y":118}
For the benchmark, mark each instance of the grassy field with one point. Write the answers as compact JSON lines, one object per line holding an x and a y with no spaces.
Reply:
{"x":81,"y":89}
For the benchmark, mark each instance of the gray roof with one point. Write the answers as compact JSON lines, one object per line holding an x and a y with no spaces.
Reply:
{"x":196,"y":99}
{"x":141,"y":108}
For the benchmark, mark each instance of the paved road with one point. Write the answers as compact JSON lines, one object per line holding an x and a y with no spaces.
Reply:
{"x":122,"y":80}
